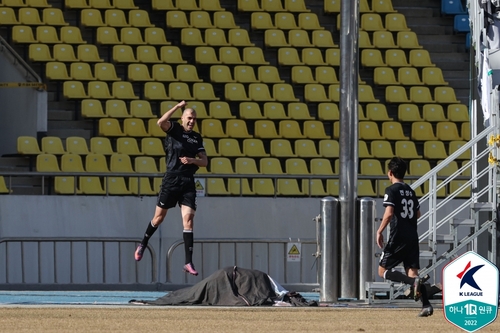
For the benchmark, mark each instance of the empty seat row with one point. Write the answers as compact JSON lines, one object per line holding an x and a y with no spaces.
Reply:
{"x":409,"y":76}
{"x":27,"y":145}
{"x":420,"y":94}
{"x":299,"y":38}
{"x":215,"y":37}
{"x":375,"y":22}
{"x":152,"y":91}
{"x":131,"y":36}
{"x":109,"y":185}
{"x":261,"y":92}
{"x":314,"y":92}
{"x":396,"y":58}
{"x":177,"y":19}
{"x":211,"y":5}
{"x":118,"y":163}
{"x":284,"y":21}
{"x":433,"y":112}
{"x":32,"y":16}
{"x":115,"y":18}
{"x":47,"y":34}
{"x":379,"y":6}
{"x":272,"y":6}
{"x":230,"y":55}
{"x":25,"y":3}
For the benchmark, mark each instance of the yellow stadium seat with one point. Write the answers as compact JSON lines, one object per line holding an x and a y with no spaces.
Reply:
{"x":108,"y":35}
{"x":187,"y":73}
{"x":101,"y":4}
{"x":299,"y":111}
{"x":290,"y":129}
{"x":230,"y":55}
{"x":300,"y":38}
{"x":289,"y":187}
{"x":384,"y":40}
{"x":273,"y":110}
{"x":365,"y":188}
{"x":332,"y":187}
{"x":434,"y":113}
{"x":372,"y":58}
{"x":406,"y":149}
{"x":47,"y":163}
{"x":313,"y":57}
{"x":370,"y":167}
{"x":123,"y":90}
{"x":254,"y":56}
{"x":117,"y":186}
{"x":385,"y":76}
{"x":128,"y":146}
{"x":28,"y":145}
{"x":221,"y":74}
{"x":396,"y":94}
{"x":326,"y":75}
{"x":206,"y":55}
{"x":215,"y":37}
{"x":91,"y":185}
{"x":116,"y":108}
{"x":55,"y":70}
{"x":65,"y":185}
{"x":156,"y":131}
{"x":216,"y":186}
{"x":134,"y":127}
{"x":91,"y":17}
{"x":408,"y":40}
{"x":363,"y":151}
{"x":139,"y":18}
{"x":71,"y":35}
{"x":296,"y":166}
{"x":265,"y":129}
{"x":365,"y":94}
{"x":23,"y":34}
{"x":64,"y":53}
{"x":272,"y":6}
{"x":99,"y":90}
{"x":237,"y":128}
{"x":285,"y":21}
{"x":155,"y":36}
{"x":445,"y":95}
{"x":123,"y":54}
{"x":259,"y":92}
{"x":315,"y":93}
{"x":382,"y":185}
{"x":420,"y":58}
{"x":447,"y":131}
{"x":254,"y":148}
{"x":88,"y":53}
{"x":309,"y":21}
{"x":145,"y":164}
{"x":163,"y":73}
{"x":458,"y":113}
{"x":46,"y":34}
{"x":275,"y":38}
{"x":131,"y":36}
{"x":434,"y":150}
{"x":263,"y":186}
{"x":138,"y":72}
{"x":302,"y":75}
{"x":96,"y":163}
{"x":201,"y":111}
{"x":92,"y":108}
{"x":29,"y":16}
{"x":192,"y":37}
{"x":101,"y":145}
{"x":239,"y":38}
{"x":381,"y":149}
{"x":14,"y":3}
{"x":212,"y":128}
{"x":306,"y":148}
{"x":328,"y":111}
{"x":422,"y":131}
{"x":218,"y":110}
{"x":393,"y":130}
{"x":229,"y":147}
{"x":262,"y":21}
{"x":321,"y":166}
{"x":238,"y":186}
{"x":459,"y":187}
{"x":409,"y":76}
{"x":8,"y":16}
{"x":140,"y":186}
{"x":314,"y":129}
{"x":465,"y":130}
{"x":368,"y":130}
{"x":74,"y":89}
{"x":155,"y":91}
{"x":152,"y":147}
{"x":115,"y":18}
{"x":163,"y":5}
{"x":209,"y":146}
{"x":334,"y":92}
{"x":270,"y":166}
{"x":269,"y":74}
{"x":409,"y":113}
{"x":53,"y":17}
{"x":454,"y":145}
{"x":187,"y":5}
{"x":421,"y":95}
{"x":283,"y":92}
{"x":244,"y":74}
{"x":371,"y":22}
{"x":377,"y":112}
{"x":249,"y":6}
{"x":203,"y":91}
{"x":281,"y":148}
{"x":77,"y":145}
{"x":396,"y":22}
{"x":418,"y":167}
{"x":364,"y":40}
{"x":225,"y":20}
{"x":120,"y":163}
{"x":329,"y":148}
{"x":171,"y":55}
{"x":221,"y":165}
{"x":396,"y":58}
{"x":235,"y":92}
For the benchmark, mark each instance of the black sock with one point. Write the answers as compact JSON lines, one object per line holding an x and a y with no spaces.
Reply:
{"x":188,"y":245}
{"x":397,"y":276}
{"x":423,"y":296}
{"x":149,"y":232}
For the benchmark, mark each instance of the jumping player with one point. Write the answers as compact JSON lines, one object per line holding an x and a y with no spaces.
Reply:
{"x":184,"y":155}
{"x":402,"y":210}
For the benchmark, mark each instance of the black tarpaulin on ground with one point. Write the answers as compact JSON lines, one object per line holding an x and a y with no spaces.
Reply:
{"x":230,"y":286}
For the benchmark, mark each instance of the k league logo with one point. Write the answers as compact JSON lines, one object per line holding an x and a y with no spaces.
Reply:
{"x":470,"y":292}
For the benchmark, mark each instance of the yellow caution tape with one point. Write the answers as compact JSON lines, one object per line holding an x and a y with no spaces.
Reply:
{"x":23,"y":85}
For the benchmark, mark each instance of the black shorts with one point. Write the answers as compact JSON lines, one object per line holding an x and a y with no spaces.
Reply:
{"x":177,"y":189}
{"x":396,"y":253}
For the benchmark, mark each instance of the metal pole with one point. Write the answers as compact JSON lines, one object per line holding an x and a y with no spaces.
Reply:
{"x":348,"y":141}
{"x":366,"y":242}
{"x":328,"y":264}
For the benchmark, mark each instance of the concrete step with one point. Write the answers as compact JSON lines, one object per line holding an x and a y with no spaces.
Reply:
{"x":444,"y":239}
{"x":456,"y":222}
{"x":483,"y":206}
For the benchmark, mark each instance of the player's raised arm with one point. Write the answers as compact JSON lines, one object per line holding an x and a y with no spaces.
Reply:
{"x":164,"y":121}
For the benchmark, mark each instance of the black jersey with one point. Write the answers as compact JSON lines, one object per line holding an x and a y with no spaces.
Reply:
{"x":403,"y":226}
{"x":180,"y":143}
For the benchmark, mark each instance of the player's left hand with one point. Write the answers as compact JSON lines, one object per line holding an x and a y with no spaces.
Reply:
{"x":380,"y":240}
{"x":186,"y":160}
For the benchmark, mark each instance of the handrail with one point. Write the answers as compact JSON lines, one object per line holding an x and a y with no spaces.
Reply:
{"x":30,"y":73}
